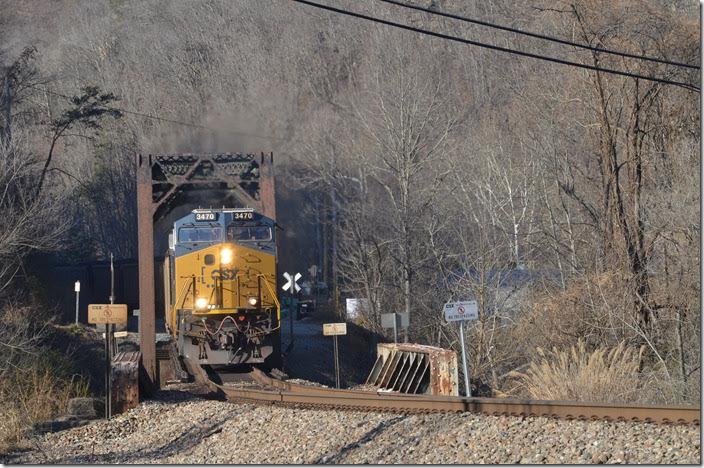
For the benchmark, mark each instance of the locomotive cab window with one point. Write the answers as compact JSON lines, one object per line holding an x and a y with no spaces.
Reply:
{"x":249,"y":233}
{"x":199,"y":234}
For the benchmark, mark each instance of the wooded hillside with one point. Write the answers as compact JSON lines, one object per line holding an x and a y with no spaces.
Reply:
{"x":412,"y":169}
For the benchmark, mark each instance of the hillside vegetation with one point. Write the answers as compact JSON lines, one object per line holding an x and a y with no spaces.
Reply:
{"x":412,"y":169}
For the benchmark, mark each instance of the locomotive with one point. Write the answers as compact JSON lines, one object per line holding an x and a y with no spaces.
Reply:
{"x":220,"y":288}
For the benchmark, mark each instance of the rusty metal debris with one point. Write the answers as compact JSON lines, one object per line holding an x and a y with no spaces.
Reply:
{"x":169,"y":367}
{"x":414,"y":368}
{"x":125,"y":378}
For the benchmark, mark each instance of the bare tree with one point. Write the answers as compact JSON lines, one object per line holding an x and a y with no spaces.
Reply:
{"x":31,"y":222}
{"x":408,"y":121}
{"x":86,"y":111}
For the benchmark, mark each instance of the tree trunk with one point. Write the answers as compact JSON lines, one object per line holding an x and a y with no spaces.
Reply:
{"x":6,"y":135}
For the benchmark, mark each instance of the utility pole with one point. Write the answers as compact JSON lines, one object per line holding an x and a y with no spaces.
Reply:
{"x":109,"y":348}
{"x":333,"y":254}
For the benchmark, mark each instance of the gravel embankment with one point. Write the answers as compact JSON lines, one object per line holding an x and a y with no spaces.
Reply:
{"x":180,"y":428}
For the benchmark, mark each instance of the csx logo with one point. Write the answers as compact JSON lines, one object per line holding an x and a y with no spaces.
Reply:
{"x":224,"y":274}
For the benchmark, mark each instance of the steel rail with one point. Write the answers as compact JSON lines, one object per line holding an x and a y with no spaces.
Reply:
{"x":276,"y":391}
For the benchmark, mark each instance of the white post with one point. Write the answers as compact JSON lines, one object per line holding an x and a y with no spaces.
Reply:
{"x":112,"y":281}
{"x":77,"y":288}
{"x":395,"y":328}
{"x":468,"y":389}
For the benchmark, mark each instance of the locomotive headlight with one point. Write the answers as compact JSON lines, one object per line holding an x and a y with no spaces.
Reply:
{"x":201,"y":303}
{"x":226,"y":256}
{"x":252,"y":301}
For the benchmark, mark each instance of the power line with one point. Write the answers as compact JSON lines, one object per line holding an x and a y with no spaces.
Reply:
{"x":164,"y":119}
{"x":539,"y":36}
{"x":494,"y":47}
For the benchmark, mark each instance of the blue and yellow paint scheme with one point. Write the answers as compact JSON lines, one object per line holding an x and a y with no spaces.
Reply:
{"x":220,"y":285}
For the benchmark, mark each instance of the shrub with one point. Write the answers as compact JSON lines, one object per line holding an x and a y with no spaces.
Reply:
{"x":36,"y":394}
{"x":35,"y":381}
{"x":607,"y":374}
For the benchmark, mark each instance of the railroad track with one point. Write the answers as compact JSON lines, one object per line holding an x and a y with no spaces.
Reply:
{"x":274,"y":391}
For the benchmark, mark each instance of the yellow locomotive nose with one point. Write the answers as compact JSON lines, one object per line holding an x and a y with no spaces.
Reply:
{"x":222,"y":287}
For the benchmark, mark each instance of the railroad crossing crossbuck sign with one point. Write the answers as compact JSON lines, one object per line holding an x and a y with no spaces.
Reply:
{"x":291,"y":283}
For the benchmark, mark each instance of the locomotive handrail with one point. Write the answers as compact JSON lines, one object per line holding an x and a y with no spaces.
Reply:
{"x":184,"y":289}
{"x":273,"y":293}
{"x":258,"y":275}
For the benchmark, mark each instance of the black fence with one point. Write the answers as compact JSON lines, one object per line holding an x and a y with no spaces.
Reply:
{"x":59,"y":283}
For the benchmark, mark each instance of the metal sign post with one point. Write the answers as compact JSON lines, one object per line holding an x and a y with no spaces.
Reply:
{"x":335,"y":329}
{"x":107,"y":314}
{"x":108,"y":379}
{"x":77,"y":288}
{"x":337,"y":363}
{"x":460,"y":312}
{"x":468,"y":388}
{"x":396,"y":321}
{"x":292,"y":287}
{"x":395,"y":327}
{"x":110,"y":329}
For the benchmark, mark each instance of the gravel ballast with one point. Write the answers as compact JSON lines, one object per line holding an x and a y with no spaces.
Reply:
{"x":180,"y":428}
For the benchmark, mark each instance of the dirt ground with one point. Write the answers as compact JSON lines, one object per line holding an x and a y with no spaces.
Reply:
{"x":311,"y":357}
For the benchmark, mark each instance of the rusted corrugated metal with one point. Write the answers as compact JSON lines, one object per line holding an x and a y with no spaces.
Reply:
{"x":414,"y":368}
{"x":125,"y":381}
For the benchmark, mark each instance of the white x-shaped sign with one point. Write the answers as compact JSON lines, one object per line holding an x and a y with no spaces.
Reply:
{"x":291,"y":282}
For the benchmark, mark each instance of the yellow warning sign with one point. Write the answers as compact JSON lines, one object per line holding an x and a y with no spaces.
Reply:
{"x":331,"y":329}
{"x":107,"y":313}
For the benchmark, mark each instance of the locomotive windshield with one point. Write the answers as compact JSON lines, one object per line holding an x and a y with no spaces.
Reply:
{"x":199,"y":234}
{"x":249,"y":233}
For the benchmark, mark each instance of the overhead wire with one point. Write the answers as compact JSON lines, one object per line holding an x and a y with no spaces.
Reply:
{"x":539,"y":36}
{"x":495,"y":47}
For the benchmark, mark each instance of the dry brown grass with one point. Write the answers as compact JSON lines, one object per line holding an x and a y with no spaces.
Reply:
{"x":607,"y":374}
{"x":35,"y":394}
{"x":36,"y":381}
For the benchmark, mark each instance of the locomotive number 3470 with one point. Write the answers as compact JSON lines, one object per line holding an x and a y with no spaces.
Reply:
{"x":206,"y":216}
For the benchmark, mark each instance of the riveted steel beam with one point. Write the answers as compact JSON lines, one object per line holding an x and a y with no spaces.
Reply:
{"x":145,"y":241}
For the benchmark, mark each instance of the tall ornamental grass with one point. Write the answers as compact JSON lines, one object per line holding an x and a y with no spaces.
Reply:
{"x":607,"y":374}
